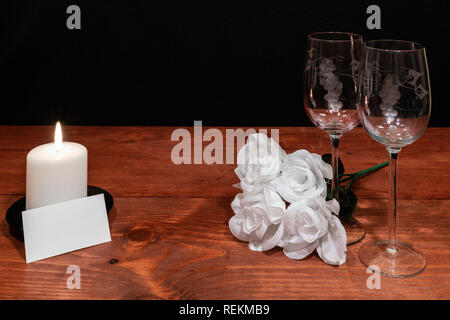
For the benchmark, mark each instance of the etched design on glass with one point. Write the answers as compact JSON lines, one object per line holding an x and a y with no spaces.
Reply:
{"x":411,"y":79}
{"x":408,"y":82}
{"x":389,"y":95}
{"x":310,"y":59}
{"x":355,"y":65}
{"x":331,"y":83}
{"x":329,"y":76}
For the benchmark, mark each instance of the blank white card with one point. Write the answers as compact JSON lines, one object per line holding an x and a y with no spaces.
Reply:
{"x":66,"y":226}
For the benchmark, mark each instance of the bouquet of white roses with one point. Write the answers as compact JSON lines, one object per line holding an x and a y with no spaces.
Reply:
{"x":283,"y":202}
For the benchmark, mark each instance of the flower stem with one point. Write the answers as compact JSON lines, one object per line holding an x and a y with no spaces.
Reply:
{"x":353,"y":177}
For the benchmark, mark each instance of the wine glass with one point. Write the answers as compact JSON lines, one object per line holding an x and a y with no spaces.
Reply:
{"x":395,"y":108}
{"x":331,"y":97}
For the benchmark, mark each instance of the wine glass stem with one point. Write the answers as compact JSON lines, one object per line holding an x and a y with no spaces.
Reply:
{"x":335,"y":139}
{"x":392,"y":206}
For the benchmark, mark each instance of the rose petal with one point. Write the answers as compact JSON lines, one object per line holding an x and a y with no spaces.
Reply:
{"x":333,"y":246}
{"x":275,"y":205}
{"x":270,"y":240}
{"x":333,"y":206}
{"x":235,"y":225}
{"x":259,"y":232}
{"x":325,"y":168}
{"x":300,"y":250}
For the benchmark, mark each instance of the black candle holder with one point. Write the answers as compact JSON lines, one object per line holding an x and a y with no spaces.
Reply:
{"x":14,"y":213}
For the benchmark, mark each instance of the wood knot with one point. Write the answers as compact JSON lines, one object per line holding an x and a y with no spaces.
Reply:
{"x":141,"y":236}
{"x":113,"y":261}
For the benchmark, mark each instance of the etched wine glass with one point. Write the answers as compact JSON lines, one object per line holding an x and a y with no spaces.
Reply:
{"x":331,"y":97}
{"x":395,"y":108}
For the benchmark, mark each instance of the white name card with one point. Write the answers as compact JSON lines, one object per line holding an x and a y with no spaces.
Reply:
{"x":63,"y":227}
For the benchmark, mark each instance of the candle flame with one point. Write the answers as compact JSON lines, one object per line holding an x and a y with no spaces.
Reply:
{"x":58,"y":137}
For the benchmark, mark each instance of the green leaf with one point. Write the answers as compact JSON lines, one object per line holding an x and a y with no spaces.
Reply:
{"x":327,"y":158}
{"x":328,"y":189}
{"x":347,"y":198}
{"x":347,"y":202}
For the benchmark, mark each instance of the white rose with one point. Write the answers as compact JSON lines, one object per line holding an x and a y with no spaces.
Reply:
{"x":304,"y":226}
{"x":260,"y":160}
{"x":309,"y":224}
{"x":258,"y":219}
{"x":303,"y":176}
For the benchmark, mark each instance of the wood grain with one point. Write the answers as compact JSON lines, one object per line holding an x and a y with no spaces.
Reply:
{"x":182,"y":249}
{"x":169,"y":225}
{"x":136,"y":161}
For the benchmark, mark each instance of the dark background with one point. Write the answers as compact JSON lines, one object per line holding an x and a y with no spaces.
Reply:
{"x":170,"y":63}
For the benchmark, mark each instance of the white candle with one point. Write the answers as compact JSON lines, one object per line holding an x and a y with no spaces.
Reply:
{"x":56,"y":172}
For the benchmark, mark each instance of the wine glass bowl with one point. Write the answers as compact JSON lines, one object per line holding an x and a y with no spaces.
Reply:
{"x":397,"y":101}
{"x":331,"y":76}
{"x":394,"y":108}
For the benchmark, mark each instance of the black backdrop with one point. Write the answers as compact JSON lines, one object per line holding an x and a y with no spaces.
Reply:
{"x":170,"y":63}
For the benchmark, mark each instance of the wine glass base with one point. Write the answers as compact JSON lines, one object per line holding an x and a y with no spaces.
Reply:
{"x":397,"y":260}
{"x":354,"y":229}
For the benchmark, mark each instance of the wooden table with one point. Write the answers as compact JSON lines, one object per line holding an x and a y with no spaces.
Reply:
{"x":169,"y":225}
